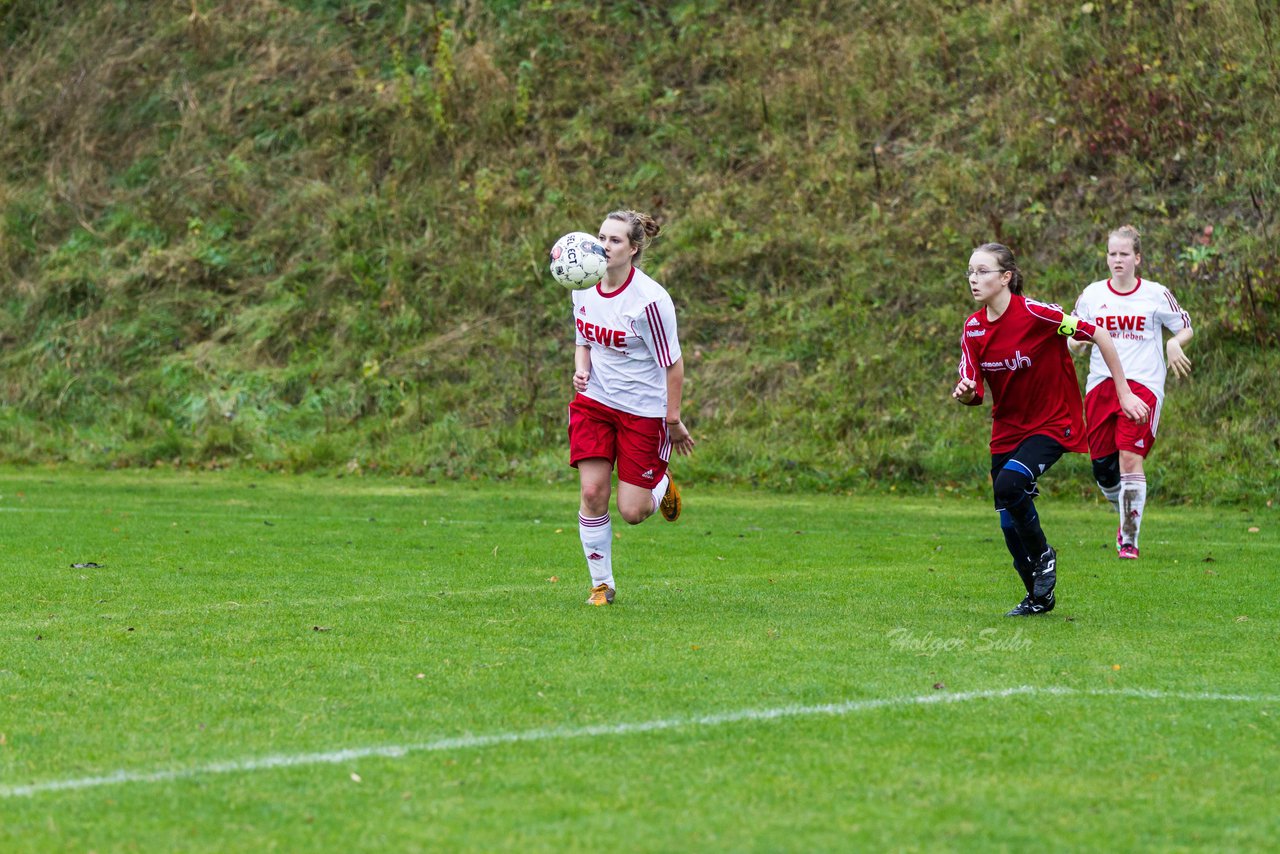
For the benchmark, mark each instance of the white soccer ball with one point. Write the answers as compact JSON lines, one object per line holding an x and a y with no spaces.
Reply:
{"x":578,"y":261}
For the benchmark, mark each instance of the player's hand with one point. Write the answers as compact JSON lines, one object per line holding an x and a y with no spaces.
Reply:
{"x":580,"y":380}
{"x":965,"y":390}
{"x":1134,"y":408}
{"x":1178,"y":361}
{"x":680,"y":438}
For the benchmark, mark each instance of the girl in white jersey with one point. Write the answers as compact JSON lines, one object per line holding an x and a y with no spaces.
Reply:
{"x":1136,"y":312}
{"x":629,"y":379}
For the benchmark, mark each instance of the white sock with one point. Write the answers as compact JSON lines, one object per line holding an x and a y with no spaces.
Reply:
{"x":1112,"y":494}
{"x":1133,"y":498}
{"x":597,"y":547}
{"x":660,"y":490}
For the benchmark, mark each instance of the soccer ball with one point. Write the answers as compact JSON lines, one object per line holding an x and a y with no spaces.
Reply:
{"x":578,"y":261}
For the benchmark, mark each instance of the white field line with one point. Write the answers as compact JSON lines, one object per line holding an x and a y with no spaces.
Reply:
{"x":468,"y":742}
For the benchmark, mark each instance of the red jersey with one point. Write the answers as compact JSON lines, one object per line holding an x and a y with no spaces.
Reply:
{"x":1023,"y":356}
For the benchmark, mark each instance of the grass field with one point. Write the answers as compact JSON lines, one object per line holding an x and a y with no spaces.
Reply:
{"x":266,"y":662}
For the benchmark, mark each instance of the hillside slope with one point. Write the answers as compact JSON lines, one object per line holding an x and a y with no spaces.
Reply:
{"x":311,"y":235}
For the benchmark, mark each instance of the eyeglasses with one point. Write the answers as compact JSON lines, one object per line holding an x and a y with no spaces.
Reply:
{"x":981,"y":272}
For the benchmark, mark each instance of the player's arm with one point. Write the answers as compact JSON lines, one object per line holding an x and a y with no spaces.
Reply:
{"x":1131,"y":405}
{"x":657,"y":328}
{"x":969,"y":388}
{"x":966,"y":391}
{"x":1171,"y":316}
{"x":675,"y":390}
{"x":1078,"y":346}
{"x":1178,"y":361}
{"x":581,"y":366}
{"x":679,"y":434}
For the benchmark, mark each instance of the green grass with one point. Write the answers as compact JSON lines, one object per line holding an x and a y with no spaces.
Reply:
{"x":300,"y":234}
{"x":235,"y":617}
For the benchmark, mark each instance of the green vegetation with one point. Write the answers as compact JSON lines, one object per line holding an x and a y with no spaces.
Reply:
{"x":238,"y":616}
{"x":310,"y":235}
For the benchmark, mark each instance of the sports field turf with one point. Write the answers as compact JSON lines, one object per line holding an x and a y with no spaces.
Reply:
{"x":294,"y":663}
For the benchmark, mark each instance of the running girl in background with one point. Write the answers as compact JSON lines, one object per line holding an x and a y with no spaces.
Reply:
{"x":1135,"y":311}
{"x":1018,"y":347}
{"x":629,"y":379}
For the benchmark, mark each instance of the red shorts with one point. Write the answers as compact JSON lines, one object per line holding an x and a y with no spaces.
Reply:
{"x":1107,"y":427}
{"x":640,"y":446}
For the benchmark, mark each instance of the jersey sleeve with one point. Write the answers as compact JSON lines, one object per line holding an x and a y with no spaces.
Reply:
{"x":578,"y":338}
{"x":1170,"y":315}
{"x":969,"y":369}
{"x":1068,"y":324}
{"x":1077,"y":328}
{"x":656,"y":326}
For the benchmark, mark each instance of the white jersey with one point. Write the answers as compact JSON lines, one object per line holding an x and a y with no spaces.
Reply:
{"x":1134,"y":321}
{"x":632,"y":335}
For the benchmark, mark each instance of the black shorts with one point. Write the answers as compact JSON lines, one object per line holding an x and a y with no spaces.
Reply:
{"x":1036,"y":454}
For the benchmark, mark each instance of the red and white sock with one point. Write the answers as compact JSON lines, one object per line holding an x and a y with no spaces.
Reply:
{"x":597,"y":547}
{"x":1133,"y":498}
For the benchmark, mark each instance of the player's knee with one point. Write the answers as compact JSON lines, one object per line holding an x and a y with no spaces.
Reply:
{"x":1106,"y":471}
{"x":634,"y":515}
{"x":595,"y":496}
{"x":1131,"y":462}
{"x":1011,"y":491}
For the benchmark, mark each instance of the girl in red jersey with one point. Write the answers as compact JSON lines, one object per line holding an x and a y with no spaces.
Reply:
{"x":629,"y":378}
{"x":1018,"y":347}
{"x":1137,"y":311}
